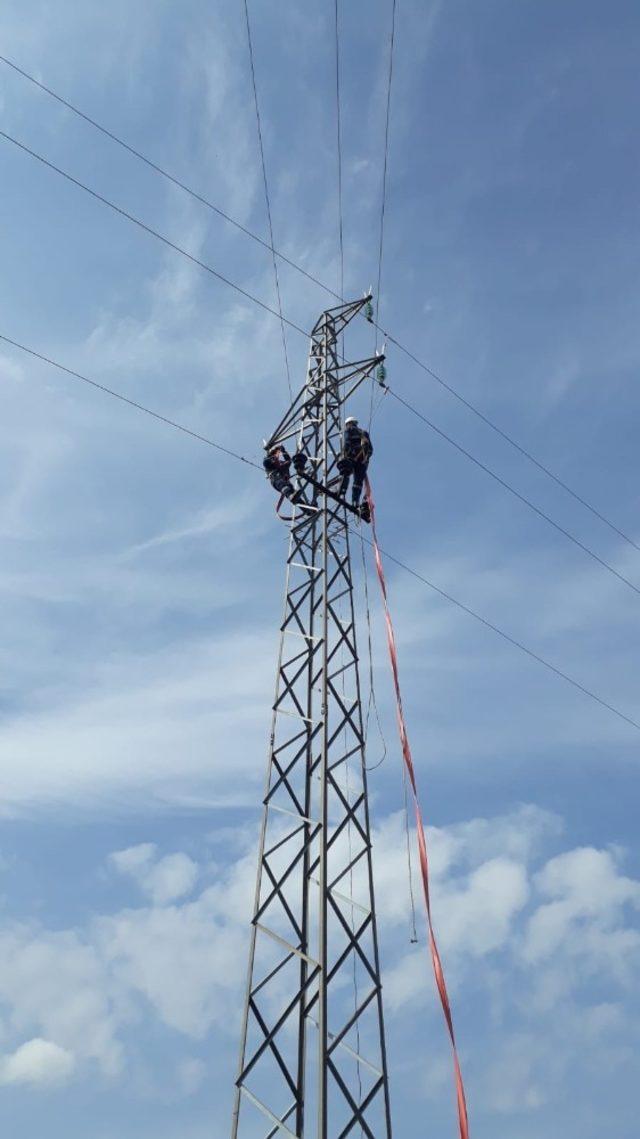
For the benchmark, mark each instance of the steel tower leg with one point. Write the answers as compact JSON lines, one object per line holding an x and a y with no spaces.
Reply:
{"x":314,"y":969}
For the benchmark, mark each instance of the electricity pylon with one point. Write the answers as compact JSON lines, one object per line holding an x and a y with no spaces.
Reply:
{"x":312,"y":1055}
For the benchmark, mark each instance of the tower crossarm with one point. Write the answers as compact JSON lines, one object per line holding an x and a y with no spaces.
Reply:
{"x":346,"y":376}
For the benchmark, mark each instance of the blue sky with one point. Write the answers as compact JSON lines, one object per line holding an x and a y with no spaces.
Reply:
{"x":142,"y":572}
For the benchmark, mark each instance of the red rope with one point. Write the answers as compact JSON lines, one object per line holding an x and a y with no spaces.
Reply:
{"x":422,"y":844}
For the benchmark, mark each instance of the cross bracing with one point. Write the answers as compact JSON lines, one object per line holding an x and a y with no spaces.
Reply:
{"x":313,"y":1057}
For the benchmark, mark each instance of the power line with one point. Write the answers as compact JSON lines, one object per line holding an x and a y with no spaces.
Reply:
{"x":392,"y":339}
{"x":383,"y":201}
{"x":507,"y":637}
{"x":165,"y":174}
{"x":248,"y":296}
{"x":383,"y":196}
{"x":131,"y":402}
{"x":339,"y":145}
{"x":266,"y":195}
{"x":148,"y":229}
{"x":512,"y":490}
{"x":402,"y":565}
{"x":508,"y":438}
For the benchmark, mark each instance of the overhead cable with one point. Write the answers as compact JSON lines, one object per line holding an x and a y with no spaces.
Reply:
{"x":266,"y":195}
{"x":507,"y":637}
{"x":165,"y":174}
{"x":148,"y":229}
{"x":125,"y":399}
{"x":402,"y":565}
{"x":512,"y":490}
{"x":267,"y":308}
{"x":339,"y":148}
{"x":321,"y":284}
{"x":383,"y":195}
{"x":383,"y":198}
{"x":508,"y":438}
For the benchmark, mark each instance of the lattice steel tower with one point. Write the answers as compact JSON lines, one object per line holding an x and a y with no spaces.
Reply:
{"x":312,"y":1056}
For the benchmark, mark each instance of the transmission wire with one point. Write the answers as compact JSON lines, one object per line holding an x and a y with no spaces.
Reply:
{"x":429,"y":371}
{"x":148,"y":229}
{"x":506,"y":636}
{"x":169,"y":177}
{"x":383,"y":201}
{"x":266,"y":196}
{"x":132,"y":402}
{"x":391,"y":557}
{"x":339,"y":148}
{"x":238,"y":225}
{"x":507,"y":486}
{"x":508,"y":438}
{"x":248,"y":296}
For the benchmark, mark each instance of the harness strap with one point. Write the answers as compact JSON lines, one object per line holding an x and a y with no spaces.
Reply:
{"x":283,"y":517}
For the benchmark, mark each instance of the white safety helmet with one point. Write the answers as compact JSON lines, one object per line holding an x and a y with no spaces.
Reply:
{"x":350,"y":419}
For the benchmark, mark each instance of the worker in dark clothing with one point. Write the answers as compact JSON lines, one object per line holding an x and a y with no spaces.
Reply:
{"x":277,"y":464}
{"x":354,"y":459}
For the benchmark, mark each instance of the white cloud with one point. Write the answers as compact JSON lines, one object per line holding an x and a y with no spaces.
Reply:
{"x":191,"y":1074}
{"x":478,"y":873}
{"x":512,"y":1082}
{"x":164,"y":880}
{"x":178,"y":963}
{"x":53,"y":983}
{"x":475,"y":915}
{"x":584,"y":923}
{"x":39,"y":1063}
{"x":158,"y":725}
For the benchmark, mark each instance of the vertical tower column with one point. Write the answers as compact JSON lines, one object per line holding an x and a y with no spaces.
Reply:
{"x":312,"y":1057}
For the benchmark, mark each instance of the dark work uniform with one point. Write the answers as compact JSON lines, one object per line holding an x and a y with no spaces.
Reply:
{"x":354,"y":460}
{"x":277,"y":464}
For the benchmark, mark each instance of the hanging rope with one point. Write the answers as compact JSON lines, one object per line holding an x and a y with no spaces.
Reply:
{"x":413,"y":932}
{"x":422,"y":842}
{"x":372,"y":702}
{"x":413,"y":935}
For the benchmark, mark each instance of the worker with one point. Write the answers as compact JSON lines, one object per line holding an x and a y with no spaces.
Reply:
{"x":277,"y":464}
{"x":354,"y":458}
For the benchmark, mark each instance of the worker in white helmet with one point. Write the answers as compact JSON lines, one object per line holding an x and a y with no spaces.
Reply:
{"x":354,"y":458}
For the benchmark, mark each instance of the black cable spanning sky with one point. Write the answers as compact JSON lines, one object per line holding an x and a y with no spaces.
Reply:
{"x":383,"y":189}
{"x":249,"y":296}
{"x":512,"y":490}
{"x":520,"y":645}
{"x":339,"y":150}
{"x":542,"y":467}
{"x":266,"y":195}
{"x":385,"y":163}
{"x":149,"y":229}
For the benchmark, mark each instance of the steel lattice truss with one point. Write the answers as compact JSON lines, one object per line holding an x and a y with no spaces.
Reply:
{"x":312,"y":1059}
